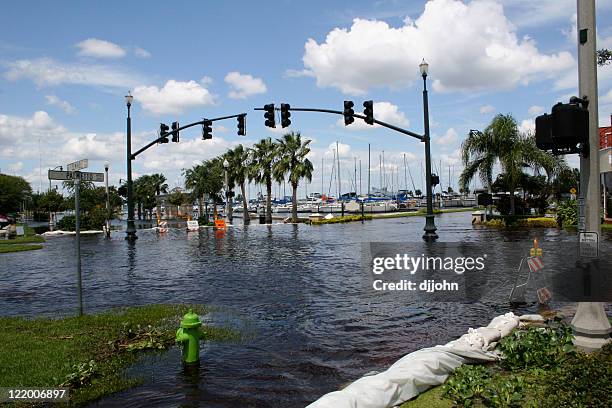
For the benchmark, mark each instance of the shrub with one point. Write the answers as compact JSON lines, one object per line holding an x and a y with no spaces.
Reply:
{"x":541,"y":222}
{"x":584,"y":381}
{"x":536,"y":347}
{"x":503,"y":205}
{"x":567,"y":213}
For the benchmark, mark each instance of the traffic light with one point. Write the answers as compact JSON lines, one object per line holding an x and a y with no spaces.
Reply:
{"x":566,"y":127}
{"x":435,"y":180}
{"x":163,"y":131}
{"x":368,"y":112}
{"x":175,"y":132}
{"x":241,"y":125}
{"x":348,"y":113}
{"x":269,"y":115}
{"x":285,"y":115}
{"x":207,"y":130}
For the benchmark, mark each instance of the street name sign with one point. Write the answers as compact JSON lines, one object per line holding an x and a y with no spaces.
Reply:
{"x":86,"y":176}
{"x":72,"y":175}
{"x":589,"y":244}
{"x":78,"y":165}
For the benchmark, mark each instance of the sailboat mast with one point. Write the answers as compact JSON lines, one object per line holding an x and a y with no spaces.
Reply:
{"x":368,"y":169}
{"x":322,"y":167}
{"x":339,"y":172}
{"x":355,"y":183}
{"x":360,"y":190}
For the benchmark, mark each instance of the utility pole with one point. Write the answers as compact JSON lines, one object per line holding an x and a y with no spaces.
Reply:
{"x":590,"y":323}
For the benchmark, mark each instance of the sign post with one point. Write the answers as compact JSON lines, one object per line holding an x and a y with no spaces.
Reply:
{"x":77,"y":209}
{"x":75,"y":174}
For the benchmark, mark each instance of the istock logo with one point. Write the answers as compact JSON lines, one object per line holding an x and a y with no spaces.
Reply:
{"x":412,"y":264}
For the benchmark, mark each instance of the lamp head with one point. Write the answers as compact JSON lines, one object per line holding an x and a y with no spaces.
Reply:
{"x":106,"y":166}
{"x":129,"y":98}
{"x":225,"y":163}
{"x":424,"y":67}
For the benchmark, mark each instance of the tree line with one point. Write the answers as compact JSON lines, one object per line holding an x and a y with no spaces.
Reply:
{"x":264,"y":163}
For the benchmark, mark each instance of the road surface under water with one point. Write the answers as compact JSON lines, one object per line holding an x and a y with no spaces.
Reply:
{"x":310,"y":320}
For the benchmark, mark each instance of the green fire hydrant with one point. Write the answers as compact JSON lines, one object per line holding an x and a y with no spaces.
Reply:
{"x":189,"y":335}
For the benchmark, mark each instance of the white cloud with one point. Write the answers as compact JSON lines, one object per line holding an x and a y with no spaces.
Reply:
{"x":468,"y":46}
{"x":343,"y":149}
{"x":298,"y":73}
{"x":63,"y":105}
{"x":93,"y":47}
{"x":141,"y":52}
{"x":244,"y":85}
{"x":206,"y":80}
{"x":607,"y":98}
{"x":527,"y":126}
{"x":174,"y":97}
{"x":535,"y":110}
{"x":383,"y":111}
{"x":48,"y":72}
{"x":16,"y":129}
{"x":486,"y":108}
{"x":450,"y":137}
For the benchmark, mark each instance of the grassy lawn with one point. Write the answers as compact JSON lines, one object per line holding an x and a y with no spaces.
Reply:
{"x":22,"y":243}
{"x":432,"y":398}
{"x":346,"y":218}
{"x":18,"y":248}
{"x":89,"y":353}
{"x":420,"y":213}
{"x":606,"y":227}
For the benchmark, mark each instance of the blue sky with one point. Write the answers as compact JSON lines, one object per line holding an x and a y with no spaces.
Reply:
{"x":65,"y":67}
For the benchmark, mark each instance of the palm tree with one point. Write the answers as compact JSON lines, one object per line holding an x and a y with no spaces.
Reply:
{"x":292,"y":160}
{"x":502,"y":142}
{"x":262,"y":157}
{"x":157,"y":182}
{"x":498,"y":142}
{"x":195,"y":181}
{"x":238,"y":159}
{"x":205,"y":179}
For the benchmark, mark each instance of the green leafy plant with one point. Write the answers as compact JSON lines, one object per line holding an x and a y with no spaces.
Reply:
{"x":567,"y":213}
{"x":466,"y":385}
{"x":536,"y":347}
{"x":584,"y":381}
{"x":81,"y":375}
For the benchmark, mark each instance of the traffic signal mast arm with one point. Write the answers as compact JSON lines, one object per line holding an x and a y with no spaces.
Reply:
{"x":165,"y":135}
{"x":357,"y":115}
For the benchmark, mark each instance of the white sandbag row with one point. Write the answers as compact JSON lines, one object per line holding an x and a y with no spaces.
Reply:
{"x":418,"y":371}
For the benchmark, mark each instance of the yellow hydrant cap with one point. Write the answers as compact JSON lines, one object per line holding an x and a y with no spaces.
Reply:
{"x":190,"y":320}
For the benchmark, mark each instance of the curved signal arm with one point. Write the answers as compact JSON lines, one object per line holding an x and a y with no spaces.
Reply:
{"x":165,"y":135}
{"x":357,"y":115}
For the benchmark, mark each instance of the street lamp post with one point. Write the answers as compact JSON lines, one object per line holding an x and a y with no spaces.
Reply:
{"x":107,"y":200}
{"x":228,"y":205}
{"x":131,"y":228}
{"x":430,"y":226}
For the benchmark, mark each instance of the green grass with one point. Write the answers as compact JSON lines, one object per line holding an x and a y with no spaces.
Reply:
{"x":18,"y":248}
{"x":420,"y":213}
{"x":43,"y":352}
{"x":606,"y":227}
{"x":26,"y":239}
{"x":432,"y":398}
{"x":346,"y":218}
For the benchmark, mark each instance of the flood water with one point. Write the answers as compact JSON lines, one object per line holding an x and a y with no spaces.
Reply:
{"x":310,"y":320}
